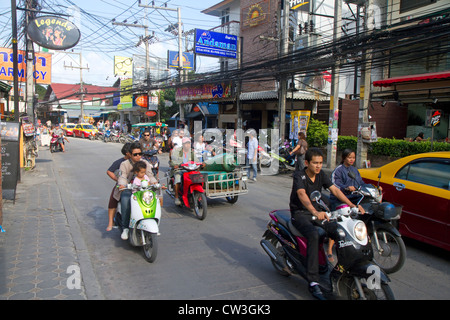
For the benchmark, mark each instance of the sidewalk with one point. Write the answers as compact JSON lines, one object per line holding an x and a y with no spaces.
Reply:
{"x":38,"y":248}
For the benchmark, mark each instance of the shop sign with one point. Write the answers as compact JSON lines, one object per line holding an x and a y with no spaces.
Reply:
{"x":53,"y":32}
{"x":140,"y":100}
{"x":301,"y":5}
{"x":256,"y":14}
{"x":204,"y":92}
{"x":215,"y":44}
{"x":188,"y":60}
{"x":42,"y":62}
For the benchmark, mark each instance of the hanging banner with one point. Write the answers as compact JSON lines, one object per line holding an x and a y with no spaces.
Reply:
{"x":42,"y":64}
{"x":53,"y":32}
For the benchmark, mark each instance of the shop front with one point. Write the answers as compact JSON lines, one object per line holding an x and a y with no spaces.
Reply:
{"x":423,"y":95}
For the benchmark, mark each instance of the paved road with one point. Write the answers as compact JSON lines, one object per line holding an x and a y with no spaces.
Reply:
{"x":216,"y":259}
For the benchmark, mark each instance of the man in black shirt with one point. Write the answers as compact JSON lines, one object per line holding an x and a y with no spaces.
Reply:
{"x":306,"y":181}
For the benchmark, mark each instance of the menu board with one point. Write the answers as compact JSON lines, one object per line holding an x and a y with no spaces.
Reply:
{"x":9,"y":133}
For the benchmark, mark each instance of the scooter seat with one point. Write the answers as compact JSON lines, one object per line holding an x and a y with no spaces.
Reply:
{"x":284,"y":217}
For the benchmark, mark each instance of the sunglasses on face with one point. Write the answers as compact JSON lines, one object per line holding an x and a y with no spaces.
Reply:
{"x":137,"y":154}
{"x":146,"y":135}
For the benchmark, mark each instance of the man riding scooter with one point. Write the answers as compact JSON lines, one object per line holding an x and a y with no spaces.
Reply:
{"x":180,"y":156}
{"x":61,"y":137}
{"x":126,"y":175}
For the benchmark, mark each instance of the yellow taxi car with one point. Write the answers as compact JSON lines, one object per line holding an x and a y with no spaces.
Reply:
{"x":421,"y":184}
{"x":84,"y":130}
{"x":68,"y":129}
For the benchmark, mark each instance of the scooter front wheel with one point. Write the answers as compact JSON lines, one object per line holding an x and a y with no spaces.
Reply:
{"x":200,"y":205}
{"x":376,"y":292}
{"x":389,"y":250}
{"x":150,"y":248}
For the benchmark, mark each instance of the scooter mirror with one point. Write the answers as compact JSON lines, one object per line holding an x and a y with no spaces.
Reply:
{"x":315,"y":196}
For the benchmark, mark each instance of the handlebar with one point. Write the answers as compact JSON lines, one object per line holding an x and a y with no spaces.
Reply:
{"x":334,"y":215}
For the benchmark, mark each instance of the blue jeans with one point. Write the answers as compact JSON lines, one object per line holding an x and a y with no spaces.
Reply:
{"x":126,"y":207}
{"x":252,"y":166}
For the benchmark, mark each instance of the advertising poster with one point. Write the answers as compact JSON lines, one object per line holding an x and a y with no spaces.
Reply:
{"x":299,"y":123}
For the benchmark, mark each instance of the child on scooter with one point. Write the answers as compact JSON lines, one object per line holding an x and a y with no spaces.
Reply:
{"x":139,"y":170}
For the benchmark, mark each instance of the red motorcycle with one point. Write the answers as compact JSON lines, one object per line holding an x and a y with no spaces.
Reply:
{"x":191,"y":191}
{"x":55,"y":146}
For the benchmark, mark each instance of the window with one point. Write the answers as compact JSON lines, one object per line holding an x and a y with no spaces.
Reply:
{"x":225,"y":16}
{"x":407,"y":5}
{"x":432,"y":172}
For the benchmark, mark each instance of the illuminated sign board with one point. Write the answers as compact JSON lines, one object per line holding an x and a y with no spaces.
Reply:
{"x":215,"y":44}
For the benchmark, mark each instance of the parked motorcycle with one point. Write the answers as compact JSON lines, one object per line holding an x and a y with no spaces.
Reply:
{"x":355,"y":276}
{"x":107,"y":136}
{"x":55,"y":146}
{"x":387,"y":243}
{"x":191,"y":191}
{"x":145,"y":218}
{"x":267,"y":159}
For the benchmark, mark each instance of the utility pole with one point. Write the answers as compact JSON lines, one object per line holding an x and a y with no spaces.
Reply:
{"x":30,"y":67}
{"x":364,"y":91}
{"x":81,"y":118}
{"x":15,"y":60}
{"x":284,"y":50}
{"x":334,"y":100}
{"x":146,"y":39}
{"x":180,"y":48}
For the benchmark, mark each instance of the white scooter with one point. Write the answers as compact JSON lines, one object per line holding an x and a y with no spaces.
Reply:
{"x":145,"y":217}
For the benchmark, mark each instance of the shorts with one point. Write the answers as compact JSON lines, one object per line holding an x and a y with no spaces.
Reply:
{"x":177,"y":176}
{"x":113,"y":203}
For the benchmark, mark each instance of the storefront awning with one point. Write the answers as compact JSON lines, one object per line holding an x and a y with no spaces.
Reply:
{"x":412,"y":78}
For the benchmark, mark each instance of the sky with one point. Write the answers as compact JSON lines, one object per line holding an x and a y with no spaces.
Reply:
{"x":101,"y":40}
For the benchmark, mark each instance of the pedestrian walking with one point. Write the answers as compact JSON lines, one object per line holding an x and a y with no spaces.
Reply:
{"x":252,"y":153}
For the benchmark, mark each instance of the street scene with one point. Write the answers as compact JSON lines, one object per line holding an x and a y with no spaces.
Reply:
{"x":59,"y":220}
{"x":241,"y":154}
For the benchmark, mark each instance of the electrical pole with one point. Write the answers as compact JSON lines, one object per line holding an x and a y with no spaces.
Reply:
{"x":15,"y":60}
{"x":180,"y":48}
{"x":81,"y":118}
{"x":364,"y":91}
{"x":30,"y":67}
{"x":284,"y":50}
{"x":146,"y":39}
{"x":334,"y":99}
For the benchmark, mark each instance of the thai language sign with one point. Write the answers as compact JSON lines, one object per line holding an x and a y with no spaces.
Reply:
{"x":42,"y":63}
{"x":204,"y":92}
{"x":215,"y":44}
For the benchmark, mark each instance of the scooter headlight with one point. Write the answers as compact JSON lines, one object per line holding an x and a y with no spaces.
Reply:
{"x":147,"y":197}
{"x":360,"y":231}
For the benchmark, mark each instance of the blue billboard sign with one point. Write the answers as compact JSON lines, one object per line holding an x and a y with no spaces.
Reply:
{"x":215,"y":44}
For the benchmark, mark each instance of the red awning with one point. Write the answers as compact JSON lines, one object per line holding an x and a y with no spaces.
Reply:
{"x":412,"y":78}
